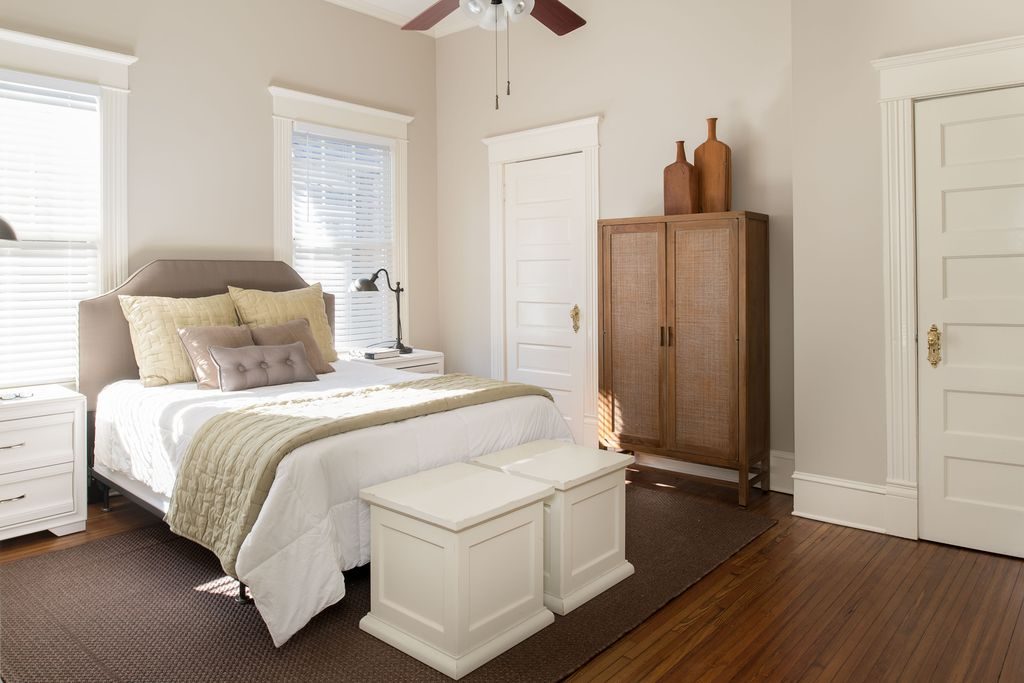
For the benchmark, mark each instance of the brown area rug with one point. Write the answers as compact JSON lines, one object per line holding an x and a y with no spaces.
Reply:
{"x":148,"y":606}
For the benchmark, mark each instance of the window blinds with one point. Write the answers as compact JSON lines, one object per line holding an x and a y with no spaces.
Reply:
{"x":50,"y":168}
{"x":343,"y":228}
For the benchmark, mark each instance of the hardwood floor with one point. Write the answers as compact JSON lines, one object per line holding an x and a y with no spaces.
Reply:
{"x":804,"y":601}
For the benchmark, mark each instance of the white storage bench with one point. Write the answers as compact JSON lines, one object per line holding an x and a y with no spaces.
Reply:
{"x":585,"y":518}
{"x":456,"y":565}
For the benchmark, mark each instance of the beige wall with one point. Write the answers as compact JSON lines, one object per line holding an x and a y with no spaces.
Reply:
{"x":653,"y":70}
{"x":840,"y":366}
{"x":200,"y":154}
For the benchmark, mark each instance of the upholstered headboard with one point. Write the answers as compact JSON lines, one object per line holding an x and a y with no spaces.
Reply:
{"x":104,"y":346}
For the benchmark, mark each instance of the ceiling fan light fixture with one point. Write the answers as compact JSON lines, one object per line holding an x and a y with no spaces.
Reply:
{"x":518,"y":10}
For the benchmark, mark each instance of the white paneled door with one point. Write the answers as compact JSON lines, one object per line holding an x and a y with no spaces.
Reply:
{"x":970,"y":231}
{"x":545,"y":283}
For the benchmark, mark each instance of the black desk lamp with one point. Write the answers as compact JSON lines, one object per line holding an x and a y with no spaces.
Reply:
{"x":370,"y":285}
{"x":6,"y":231}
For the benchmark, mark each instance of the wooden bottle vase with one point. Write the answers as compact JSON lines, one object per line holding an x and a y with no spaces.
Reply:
{"x":682,"y":188}
{"x":713,"y":160}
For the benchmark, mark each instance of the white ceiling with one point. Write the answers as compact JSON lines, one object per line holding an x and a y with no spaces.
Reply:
{"x":401,"y":11}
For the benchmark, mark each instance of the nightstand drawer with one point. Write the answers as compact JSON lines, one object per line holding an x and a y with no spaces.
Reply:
{"x":32,"y":442}
{"x":426,"y":368}
{"x":36,"y":494}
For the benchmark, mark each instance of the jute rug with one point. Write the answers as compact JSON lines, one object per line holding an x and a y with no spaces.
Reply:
{"x":147,"y":606}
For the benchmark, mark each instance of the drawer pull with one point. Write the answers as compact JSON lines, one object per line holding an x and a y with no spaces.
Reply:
{"x":12,"y":446}
{"x":11,"y":500}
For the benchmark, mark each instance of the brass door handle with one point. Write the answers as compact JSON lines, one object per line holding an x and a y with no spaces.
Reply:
{"x":11,"y":500}
{"x":934,"y":346}
{"x":12,"y":446}
{"x":574,"y":315}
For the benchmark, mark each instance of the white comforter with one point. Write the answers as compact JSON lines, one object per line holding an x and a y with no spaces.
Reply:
{"x":313,"y":525}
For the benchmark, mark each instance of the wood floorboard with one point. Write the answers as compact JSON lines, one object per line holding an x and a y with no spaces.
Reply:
{"x":1012,"y":670}
{"x":805,"y":601}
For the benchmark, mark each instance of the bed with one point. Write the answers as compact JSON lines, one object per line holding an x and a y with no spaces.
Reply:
{"x":313,"y":525}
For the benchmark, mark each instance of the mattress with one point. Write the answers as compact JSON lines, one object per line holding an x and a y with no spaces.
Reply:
{"x":313,"y":525}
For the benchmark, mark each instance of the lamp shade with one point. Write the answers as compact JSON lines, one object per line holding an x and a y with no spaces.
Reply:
{"x":364,"y":284}
{"x":6,"y":231}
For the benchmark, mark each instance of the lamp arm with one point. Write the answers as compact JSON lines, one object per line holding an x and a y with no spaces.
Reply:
{"x":387,"y":276}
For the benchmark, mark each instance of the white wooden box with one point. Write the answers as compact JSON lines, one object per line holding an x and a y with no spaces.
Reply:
{"x":585,"y":518}
{"x":456,"y":565}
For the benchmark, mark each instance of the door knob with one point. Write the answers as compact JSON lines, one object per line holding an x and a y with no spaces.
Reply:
{"x":934,"y":346}
{"x":574,"y":315}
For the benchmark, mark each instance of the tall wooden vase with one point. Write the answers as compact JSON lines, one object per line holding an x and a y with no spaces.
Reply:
{"x":682,"y":188}
{"x":714,"y":167}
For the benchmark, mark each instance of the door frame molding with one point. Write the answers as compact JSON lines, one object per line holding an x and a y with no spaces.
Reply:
{"x":579,"y":136}
{"x":905,"y":80}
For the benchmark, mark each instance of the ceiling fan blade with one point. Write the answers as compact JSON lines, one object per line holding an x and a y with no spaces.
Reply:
{"x":557,"y":16}
{"x":433,"y":14}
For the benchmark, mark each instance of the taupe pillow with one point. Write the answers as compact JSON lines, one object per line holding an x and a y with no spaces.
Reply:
{"x":247,"y":367}
{"x":197,"y":342}
{"x":289,"y":333}
{"x":257,"y":308}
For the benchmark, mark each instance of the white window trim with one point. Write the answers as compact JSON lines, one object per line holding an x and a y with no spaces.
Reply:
{"x":31,"y":54}
{"x":291,"y":108}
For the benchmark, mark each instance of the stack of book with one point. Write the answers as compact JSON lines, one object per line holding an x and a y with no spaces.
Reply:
{"x":379,"y":354}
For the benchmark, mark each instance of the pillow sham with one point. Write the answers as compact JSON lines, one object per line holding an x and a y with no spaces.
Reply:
{"x":153,"y":323}
{"x":257,"y":308}
{"x":197,"y":342}
{"x":289,"y":333}
{"x":248,"y":367}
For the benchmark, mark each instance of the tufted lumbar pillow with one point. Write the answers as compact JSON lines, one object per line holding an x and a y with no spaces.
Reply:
{"x":248,"y":367}
{"x":153,"y":323}
{"x":197,"y":342}
{"x":289,"y":333}
{"x":257,"y":308}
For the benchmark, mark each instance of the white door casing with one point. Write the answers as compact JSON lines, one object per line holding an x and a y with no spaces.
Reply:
{"x":970,"y":266}
{"x":903,"y":81}
{"x":580,"y":136}
{"x":545,"y":232}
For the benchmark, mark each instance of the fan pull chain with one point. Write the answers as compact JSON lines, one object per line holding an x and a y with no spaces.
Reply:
{"x":496,"y":106}
{"x":508,"y":58}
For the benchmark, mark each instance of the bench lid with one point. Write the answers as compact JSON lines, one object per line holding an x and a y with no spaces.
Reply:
{"x":562,"y":465}
{"x":456,"y":496}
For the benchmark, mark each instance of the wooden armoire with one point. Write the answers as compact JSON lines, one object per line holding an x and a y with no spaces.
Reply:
{"x":684,"y":340}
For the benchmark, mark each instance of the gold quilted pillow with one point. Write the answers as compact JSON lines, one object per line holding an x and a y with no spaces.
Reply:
{"x":153,"y":323}
{"x":257,"y":308}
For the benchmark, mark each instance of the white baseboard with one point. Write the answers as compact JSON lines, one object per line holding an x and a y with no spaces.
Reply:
{"x":840,"y":501}
{"x":782,"y":466}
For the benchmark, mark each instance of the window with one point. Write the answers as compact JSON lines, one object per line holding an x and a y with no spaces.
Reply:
{"x":50,"y":192}
{"x":340,"y":204}
{"x":343,"y":225}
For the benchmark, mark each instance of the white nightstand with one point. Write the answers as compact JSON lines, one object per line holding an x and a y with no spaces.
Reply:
{"x":420,"y":360}
{"x":42,"y":462}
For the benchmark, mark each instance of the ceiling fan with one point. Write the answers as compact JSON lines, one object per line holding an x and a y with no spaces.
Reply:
{"x":494,"y":14}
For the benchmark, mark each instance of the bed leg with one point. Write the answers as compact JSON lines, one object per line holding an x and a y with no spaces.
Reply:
{"x":106,"y":498}
{"x":243,"y":595}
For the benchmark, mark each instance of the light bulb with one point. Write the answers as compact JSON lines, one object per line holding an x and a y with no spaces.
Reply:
{"x":518,"y":10}
{"x":487,"y":21}
{"x":474,"y":9}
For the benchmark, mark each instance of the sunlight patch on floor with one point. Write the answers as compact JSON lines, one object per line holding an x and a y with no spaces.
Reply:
{"x":222,"y":586}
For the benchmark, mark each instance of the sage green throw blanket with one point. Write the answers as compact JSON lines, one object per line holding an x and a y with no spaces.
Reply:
{"x":231,"y":462}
